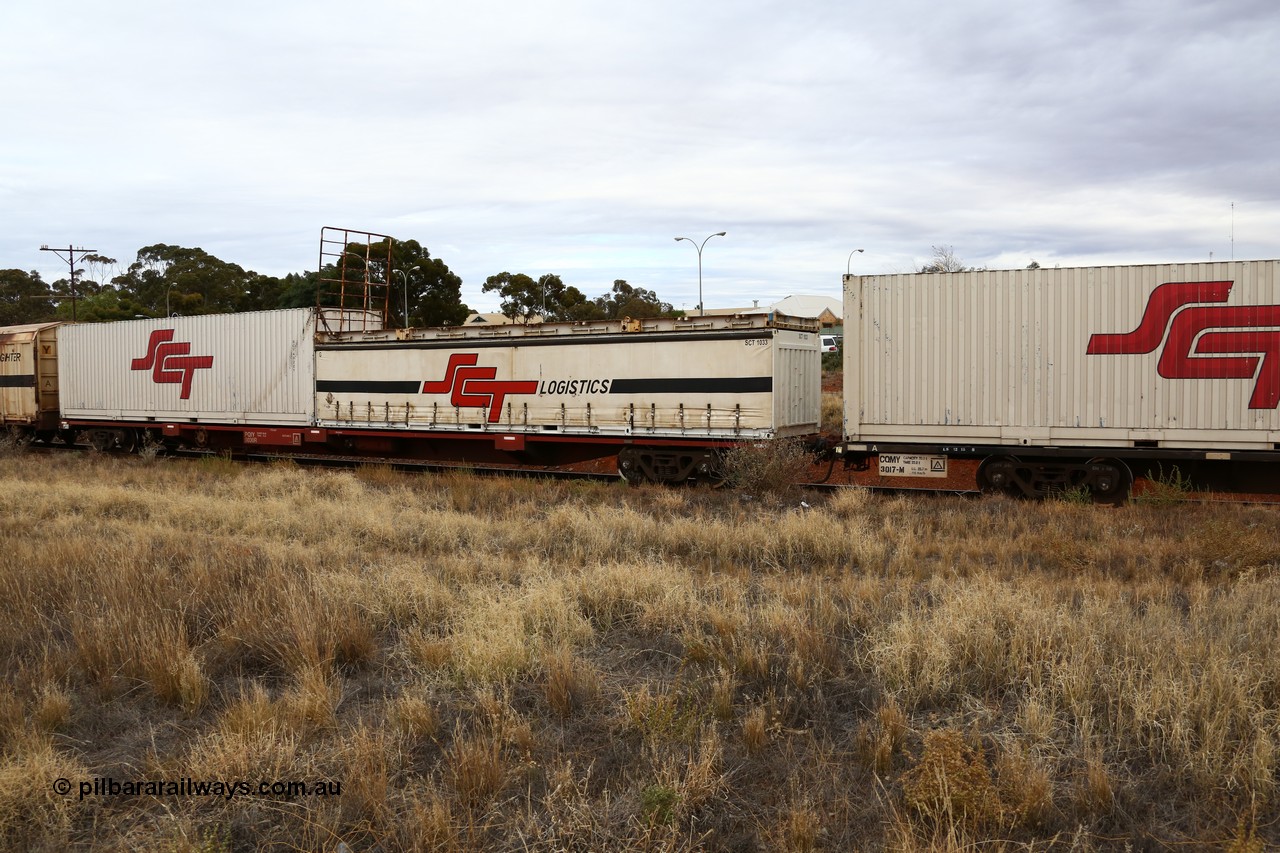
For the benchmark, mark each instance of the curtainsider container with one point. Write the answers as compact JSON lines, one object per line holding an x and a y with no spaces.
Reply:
{"x":723,"y":377}
{"x":665,"y":395}
{"x":1124,"y":362}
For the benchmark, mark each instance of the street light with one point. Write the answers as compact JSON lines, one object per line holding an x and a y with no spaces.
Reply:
{"x":848,"y":264}
{"x":363,"y":261}
{"x":701,"y":307}
{"x":405,"y":279}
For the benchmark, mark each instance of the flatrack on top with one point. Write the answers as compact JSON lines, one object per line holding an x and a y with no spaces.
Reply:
{"x":542,"y":331}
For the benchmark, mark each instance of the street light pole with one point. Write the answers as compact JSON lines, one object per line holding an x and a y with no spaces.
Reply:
{"x":849,"y":264}
{"x":71,"y":262}
{"x":405,"y":279}
{"x":366,"y":268}
{"x":698,"y":246}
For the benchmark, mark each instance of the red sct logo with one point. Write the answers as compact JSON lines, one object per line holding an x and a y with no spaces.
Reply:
{"x":471,"y":386}
{"x":1204,"y":340}
{"x":170,"y":363}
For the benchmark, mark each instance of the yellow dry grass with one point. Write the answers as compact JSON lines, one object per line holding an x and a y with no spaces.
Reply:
{"x":487,"y":664}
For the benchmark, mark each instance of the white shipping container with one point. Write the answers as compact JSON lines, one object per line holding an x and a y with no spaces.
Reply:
{"x":713,"y":378}
{"x":253,"y":368}
{"x":1171,"y":355}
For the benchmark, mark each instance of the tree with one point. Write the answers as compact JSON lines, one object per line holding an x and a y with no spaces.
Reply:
{"x":189,"y":281}
{"x":548,"y":297}
{"x":944,"y":260}
{"x":25,"y":298}
{"x":432,"y":290}
{"x":522,"y":297}
{"x":636,"y":302}
{"x":96,"y":272}
{"x":583,"y":309}
{"x":109,"y":303}
{"x":298,"y":290}
{"x":179,"y":280}
{"x":435,"y":294}
{"x":563,"y":302}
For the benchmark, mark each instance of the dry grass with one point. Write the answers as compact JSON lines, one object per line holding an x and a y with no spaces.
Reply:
{"x":497,"y":664}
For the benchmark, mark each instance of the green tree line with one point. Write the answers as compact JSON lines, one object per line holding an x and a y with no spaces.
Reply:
{"x":169,"y":280}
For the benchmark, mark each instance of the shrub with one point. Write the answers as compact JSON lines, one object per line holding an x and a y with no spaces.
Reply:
{"x":951,"y":785}
{"x":1077,"y":495}
{"x":1165,"y":488}
{"x":150,"y":447}
{"x":12,"y":442}
{"x":773,"y":467}
{"x":658,"y":802}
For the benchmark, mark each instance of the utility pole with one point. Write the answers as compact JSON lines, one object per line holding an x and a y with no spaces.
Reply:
{"x":70,"y":258}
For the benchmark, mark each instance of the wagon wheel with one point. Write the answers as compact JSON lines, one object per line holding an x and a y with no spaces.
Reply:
{"x":998,"y":475}
{"x":1109,"y":481}
{"x":629,"y":467}
{"x":128,"y":440}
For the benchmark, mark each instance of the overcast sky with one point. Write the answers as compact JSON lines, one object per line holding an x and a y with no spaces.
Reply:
{"x":580,"y":138}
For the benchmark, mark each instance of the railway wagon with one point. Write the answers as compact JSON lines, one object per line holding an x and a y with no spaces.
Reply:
{"x":29,"y":379}
{"x":1066,"y":378}
{"x":664,"y":395}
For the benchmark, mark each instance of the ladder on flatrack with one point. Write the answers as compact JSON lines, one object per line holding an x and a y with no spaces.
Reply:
{"x":353,"y":282}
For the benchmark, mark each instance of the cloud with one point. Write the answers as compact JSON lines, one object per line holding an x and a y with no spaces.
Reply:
{"x":580,"y":139}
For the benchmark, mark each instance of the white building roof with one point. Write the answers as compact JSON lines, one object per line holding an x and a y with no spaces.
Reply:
{"x":811,"y":307}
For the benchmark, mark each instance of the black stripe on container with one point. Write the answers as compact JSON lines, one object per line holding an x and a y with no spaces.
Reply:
{"x":737,"y":385}
{"x":20,"y":380}
{"x":352,"y":386}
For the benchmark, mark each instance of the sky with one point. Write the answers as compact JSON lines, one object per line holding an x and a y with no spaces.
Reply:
{"x":581,"y":138}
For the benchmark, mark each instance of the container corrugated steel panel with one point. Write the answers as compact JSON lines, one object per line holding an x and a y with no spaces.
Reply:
{"x":1005,"y":356}
{"x":28,"y":374}
{"x":745,"y":380}
{"x":253,"y":368}
{"x":797,"y":392}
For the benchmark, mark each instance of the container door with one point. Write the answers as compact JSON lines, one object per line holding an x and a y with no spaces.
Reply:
{"x":46,"y":352}
{"x":17,"y":379}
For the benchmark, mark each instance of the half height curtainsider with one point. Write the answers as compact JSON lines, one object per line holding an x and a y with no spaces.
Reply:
{"x":663,"y":394}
